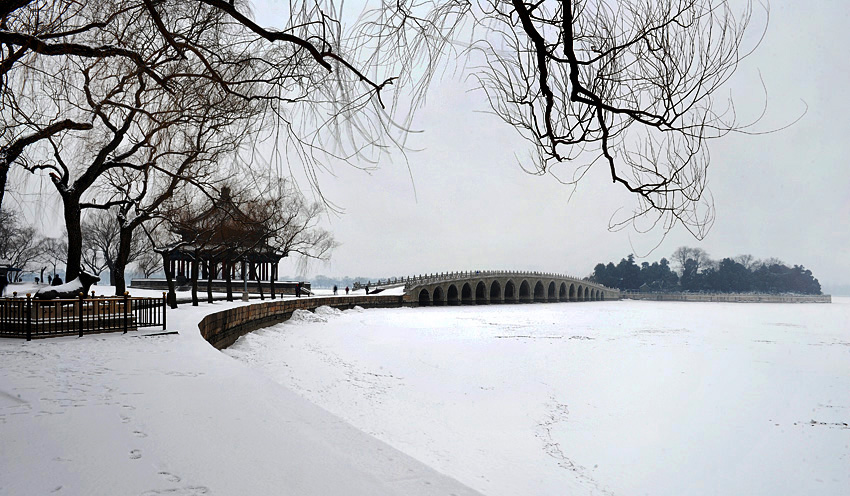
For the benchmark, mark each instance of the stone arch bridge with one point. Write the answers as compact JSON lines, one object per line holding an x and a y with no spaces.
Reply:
{"x":486,"y":287}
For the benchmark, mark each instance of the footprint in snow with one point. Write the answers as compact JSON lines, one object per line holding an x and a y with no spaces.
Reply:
{"x":180,"y":491}
{"x":135,"y":454}
{"x":170,"y":477}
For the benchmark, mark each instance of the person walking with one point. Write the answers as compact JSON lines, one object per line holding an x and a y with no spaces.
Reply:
{"x":298,"y":290}
{"x":335,"y":289}
{"x":346,"y":290}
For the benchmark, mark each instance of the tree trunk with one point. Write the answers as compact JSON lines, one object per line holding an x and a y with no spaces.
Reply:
{"x":272,"y":277}
{"x":195,"y":278}
{"x":259,"y":284}
{"x":210,"y":277}
{"x":116,"y":270}
{"x":4,"y":173}
{"x":225,"y":267}
{"x":71,"y":207}
{"x":171,"y":299}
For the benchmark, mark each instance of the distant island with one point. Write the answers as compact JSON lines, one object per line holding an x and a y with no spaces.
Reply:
{"x":697,"y":272}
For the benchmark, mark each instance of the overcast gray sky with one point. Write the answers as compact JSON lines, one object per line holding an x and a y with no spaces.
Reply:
{"x":784,"y":195}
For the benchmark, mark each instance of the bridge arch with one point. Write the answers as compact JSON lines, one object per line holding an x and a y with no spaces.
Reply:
{"x":481,"y":293}
{"x":525,"y":292}
{"x":424,"y":298}
{"x":586,"y":293}
{"x":562,"y":292}
{"x":580,"y":293}
{"x":510,"y":292}
{"x":439,"y":296}
{"x":466,"y":294}
{"x":452,"y":295}
{"x":551,"y":294}
{"x":573,"y":293}
{"x":496,"y":292}
{"x":539,"y":292}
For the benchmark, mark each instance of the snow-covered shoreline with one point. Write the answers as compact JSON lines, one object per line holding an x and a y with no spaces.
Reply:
{"x":169,"y":414}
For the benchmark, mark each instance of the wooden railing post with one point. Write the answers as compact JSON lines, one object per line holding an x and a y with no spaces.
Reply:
{"x":29,"y":317}
{"x":82,"y":301}
{"x":126,"y":309}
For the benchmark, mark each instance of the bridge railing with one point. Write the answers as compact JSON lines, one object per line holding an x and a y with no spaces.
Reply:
{"x":411,"y":281}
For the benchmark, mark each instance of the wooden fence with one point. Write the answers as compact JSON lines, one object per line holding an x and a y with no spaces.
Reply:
{"x":31,"y":318}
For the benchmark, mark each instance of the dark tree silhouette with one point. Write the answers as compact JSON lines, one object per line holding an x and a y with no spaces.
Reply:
{"x":727,"y":276}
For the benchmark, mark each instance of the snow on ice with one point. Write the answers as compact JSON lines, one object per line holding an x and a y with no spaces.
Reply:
{"x":587,"y":398}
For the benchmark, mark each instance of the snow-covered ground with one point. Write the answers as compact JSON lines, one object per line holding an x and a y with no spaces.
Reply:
{"x":626,"y":398}
{"x":138,"y":414}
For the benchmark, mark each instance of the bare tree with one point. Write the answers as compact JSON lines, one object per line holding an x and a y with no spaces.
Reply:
{"x":286,"y":224}
{"x":91,"y":88}
{"x":748,"y":261}
{"x":101,"y":243}
{"x":53,"y":252}
{"x":629,"y":85}
{"x":19,"y":244}
{"x":163,"y":241}
{"x":117,"y":79}
{"x":148,"y":262}
{"x":699,"y":257}
{"x":292,"y":225}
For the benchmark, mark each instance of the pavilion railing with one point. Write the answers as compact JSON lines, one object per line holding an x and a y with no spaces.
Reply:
{"x":30,"y":318}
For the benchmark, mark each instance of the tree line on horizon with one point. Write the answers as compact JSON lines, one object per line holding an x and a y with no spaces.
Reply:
{"x":695,"y":271}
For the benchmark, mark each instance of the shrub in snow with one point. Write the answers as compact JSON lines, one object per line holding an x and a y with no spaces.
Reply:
{"x":301,"y":316}
{"x":326,"y":311}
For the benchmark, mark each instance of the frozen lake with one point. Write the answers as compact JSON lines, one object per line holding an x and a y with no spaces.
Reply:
{"x":587,"y":398}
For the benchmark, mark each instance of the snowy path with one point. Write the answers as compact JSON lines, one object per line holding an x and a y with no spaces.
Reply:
{"x":123,"y":414}
{"x":598,"y":398}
